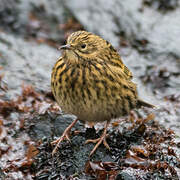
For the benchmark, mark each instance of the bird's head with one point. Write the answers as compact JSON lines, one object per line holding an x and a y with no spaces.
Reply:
{"x":84,"y":46}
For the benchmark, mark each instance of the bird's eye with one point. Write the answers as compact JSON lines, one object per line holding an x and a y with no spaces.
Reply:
{"x":83,"y":46}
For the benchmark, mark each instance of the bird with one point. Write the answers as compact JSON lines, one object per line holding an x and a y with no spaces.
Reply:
{"x":91,"y":81}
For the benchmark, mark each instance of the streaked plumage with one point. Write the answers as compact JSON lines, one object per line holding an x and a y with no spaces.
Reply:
{"x":91,"y":81}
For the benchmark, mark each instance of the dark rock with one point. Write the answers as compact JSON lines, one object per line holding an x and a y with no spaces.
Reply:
{"x":125,"y":176}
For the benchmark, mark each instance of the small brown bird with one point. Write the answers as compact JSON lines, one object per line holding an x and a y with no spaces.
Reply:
{"x":91,"y":82}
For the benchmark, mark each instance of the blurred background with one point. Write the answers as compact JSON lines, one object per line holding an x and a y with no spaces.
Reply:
{"x":145,"y":32}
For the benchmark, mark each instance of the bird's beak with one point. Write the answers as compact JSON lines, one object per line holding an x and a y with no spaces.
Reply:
{"x":65,"y":47}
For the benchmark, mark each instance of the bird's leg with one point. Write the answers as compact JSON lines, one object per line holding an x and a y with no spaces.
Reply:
{"x":100,"y":140}
{"x":64,"y":136}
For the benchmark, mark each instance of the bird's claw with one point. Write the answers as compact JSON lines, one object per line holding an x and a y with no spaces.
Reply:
{"x":100,"y":140}
{"x":65,"y":136}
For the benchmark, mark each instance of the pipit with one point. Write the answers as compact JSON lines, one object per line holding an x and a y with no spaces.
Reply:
{"x":90,"y":81}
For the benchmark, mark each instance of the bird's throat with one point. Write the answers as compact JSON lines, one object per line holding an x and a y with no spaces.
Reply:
{"x":71,"y":57}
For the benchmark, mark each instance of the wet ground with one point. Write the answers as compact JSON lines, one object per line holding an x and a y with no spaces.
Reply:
{"x":144,"y":145}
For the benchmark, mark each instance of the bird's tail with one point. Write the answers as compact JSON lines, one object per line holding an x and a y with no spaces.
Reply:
{"x":145,"y":104}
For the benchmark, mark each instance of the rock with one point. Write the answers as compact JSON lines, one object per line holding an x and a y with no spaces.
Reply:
{"x":133,"y":18}
{"x":125,"y":176}
{"x":26,"y":62}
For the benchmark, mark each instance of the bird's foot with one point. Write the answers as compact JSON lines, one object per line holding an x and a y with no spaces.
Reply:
{"x":100,"y":140}
{"x":65,"y":136}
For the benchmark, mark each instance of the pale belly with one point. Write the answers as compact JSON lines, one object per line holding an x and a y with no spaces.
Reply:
{"x":93,"y":109}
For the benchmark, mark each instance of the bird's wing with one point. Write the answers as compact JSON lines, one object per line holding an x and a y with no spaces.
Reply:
{"x":127,"y":72}
{"x":115,"y":60}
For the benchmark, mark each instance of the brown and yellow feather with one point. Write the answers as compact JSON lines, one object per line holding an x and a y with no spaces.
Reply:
{"x":91,"y":81}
